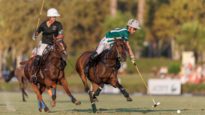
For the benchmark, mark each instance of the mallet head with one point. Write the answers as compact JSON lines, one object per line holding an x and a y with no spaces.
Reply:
{"x":156,"y":104}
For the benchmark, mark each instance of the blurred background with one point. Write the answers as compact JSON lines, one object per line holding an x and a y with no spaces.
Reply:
{"x":170,"y":44}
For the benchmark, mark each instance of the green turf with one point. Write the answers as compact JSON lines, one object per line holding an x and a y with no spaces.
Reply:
{"x":11,"y":104}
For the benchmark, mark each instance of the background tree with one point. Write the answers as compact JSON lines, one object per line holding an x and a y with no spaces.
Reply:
{"x":183,"y":22}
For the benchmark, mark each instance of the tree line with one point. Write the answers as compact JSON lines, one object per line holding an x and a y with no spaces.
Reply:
{"x":168,"y":26}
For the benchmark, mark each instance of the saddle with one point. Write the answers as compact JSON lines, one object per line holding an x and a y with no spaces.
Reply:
{"x":45,"y":55}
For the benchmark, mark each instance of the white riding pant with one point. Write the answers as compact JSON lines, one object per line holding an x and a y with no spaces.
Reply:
{"x":41,"y":48}
{"x":103,"y":45}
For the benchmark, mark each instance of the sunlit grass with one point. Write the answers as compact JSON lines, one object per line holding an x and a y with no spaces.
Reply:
{"x":108,"y":104}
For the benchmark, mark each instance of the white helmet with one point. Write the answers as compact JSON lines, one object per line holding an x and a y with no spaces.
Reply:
{"x":133,"y":23}
{"x":52,"y":12}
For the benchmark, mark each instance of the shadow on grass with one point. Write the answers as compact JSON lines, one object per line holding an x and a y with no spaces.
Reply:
{"x":68,"y":101}
{"x":122,"y":110}
{"x":2,"y":104}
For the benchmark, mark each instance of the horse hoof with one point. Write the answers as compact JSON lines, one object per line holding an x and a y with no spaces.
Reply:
{"x":53,"y":103}
{"x":77,"y":102}
{"x":40,"y":110}
{"x":129,"y":99}
{"x":46,"y":109}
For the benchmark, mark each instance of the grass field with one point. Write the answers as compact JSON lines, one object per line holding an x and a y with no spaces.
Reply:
{"x":11,"y":104}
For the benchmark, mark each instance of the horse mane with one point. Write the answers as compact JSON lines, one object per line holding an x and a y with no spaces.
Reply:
{"x":106,"y":53}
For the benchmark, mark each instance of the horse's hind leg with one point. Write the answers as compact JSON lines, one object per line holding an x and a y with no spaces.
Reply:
{"x":90,"y":93}
{"x":64,"y":83}
{"x":22,"y":87}
{"x":85,"y":82}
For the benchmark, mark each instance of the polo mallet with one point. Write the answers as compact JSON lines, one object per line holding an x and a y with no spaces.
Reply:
{"x":155,"y":103}
{"x":40,"y":13}
{"x":39,"y":18}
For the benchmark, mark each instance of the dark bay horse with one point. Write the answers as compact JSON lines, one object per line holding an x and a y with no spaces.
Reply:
{"x":49,"y":75}
{"x":103,"y":72}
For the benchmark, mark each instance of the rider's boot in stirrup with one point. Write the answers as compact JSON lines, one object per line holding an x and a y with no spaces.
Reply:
{"x":90,"y":62}
{"x":36,"y":65}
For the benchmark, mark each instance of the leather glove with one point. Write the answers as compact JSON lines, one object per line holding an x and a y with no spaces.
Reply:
{"x":133,"y":60}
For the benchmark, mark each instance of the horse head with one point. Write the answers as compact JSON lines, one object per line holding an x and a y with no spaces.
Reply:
{"x":121,"y":48}
{"x":59,"y":46}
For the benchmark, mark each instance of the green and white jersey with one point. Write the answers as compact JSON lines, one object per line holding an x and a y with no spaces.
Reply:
{"x":118,"y":33}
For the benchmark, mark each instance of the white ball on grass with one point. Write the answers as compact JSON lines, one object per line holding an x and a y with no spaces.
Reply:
{"x":178,"y":111}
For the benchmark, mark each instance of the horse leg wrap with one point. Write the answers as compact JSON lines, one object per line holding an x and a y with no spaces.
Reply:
{"x":97,"y":92}
{"x":124,"y":92}
{"x":53,"y":93}
{"x":41,"y":105}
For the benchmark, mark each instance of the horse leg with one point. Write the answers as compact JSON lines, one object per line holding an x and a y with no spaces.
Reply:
{"x":90,"y":93}
{"x":115,"y":83}
{"x":96,"y":89}
{"x":41,"y":103}
{"x":85,"y":82}
{"x":64,"y":83}
{"x":53,"y":90}
{"x":22,"y":87}
{"x":22,"y":91}
{"x":124,"y":92}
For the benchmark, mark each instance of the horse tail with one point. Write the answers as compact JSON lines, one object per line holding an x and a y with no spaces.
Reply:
{"x":10,"y":76}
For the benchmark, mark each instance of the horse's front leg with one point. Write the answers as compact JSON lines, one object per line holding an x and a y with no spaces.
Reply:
{"x":96,"y":89}
{"x":41,"y":104}
{"x":64,"y":83}
{"x":124,"y":92}
{"x":115,"y":83}
{"x":53,"y":94}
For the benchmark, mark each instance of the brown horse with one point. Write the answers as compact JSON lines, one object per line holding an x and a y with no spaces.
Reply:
{"x":49,"y":75}
{"x":23,"y":81}
{"x":103,"y":72}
